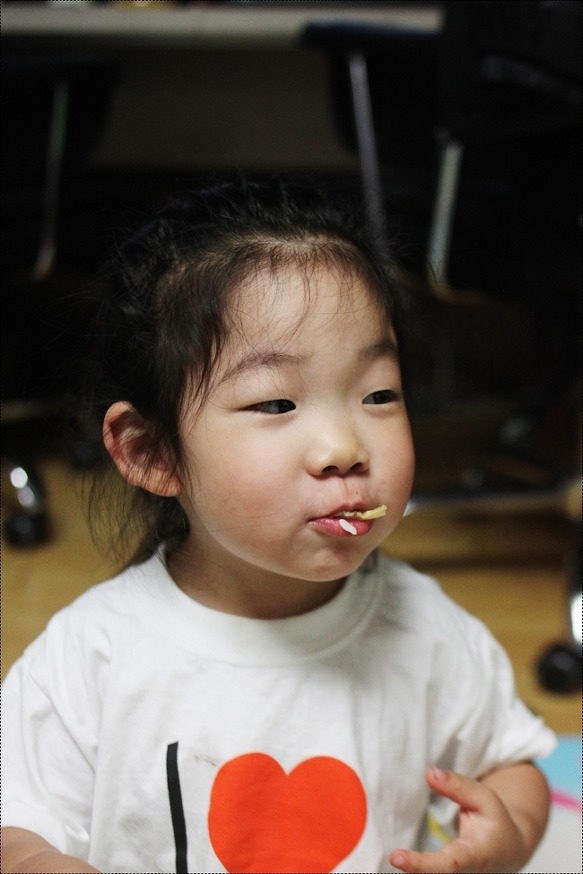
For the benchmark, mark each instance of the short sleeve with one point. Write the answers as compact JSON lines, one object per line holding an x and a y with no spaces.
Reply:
{"x":47,"y":767}
{"x":485,"y":725}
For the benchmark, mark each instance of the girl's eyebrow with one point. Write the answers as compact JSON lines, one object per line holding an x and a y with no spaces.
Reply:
{"x":256,"y":360}
{"x":272,"y":360}
{"x":383,"y":348}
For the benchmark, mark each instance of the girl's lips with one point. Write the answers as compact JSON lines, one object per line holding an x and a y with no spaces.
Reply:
{"x":338,"y":526}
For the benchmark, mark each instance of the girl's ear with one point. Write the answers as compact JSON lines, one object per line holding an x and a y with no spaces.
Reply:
{"x":127,"y":439}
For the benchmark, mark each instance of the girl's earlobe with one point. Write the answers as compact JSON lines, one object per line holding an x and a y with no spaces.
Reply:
{"x":127,"y":439}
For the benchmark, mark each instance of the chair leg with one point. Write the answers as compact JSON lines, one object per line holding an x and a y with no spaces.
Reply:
{"x":560,"y":667}
{"x":575,"y":599}
{"x":367,"y":147}
{"x":54,"y":166}
{"x":440,"y":231}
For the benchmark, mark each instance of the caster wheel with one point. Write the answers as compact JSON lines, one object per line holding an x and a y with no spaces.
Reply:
{"x":560,"y":669}
{"x":23,"y":530}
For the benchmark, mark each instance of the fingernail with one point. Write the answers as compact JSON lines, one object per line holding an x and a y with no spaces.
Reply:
{"x":398,"y":859}
{"x":437,"y":773}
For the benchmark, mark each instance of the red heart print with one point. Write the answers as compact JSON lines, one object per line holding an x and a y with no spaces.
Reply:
{"x":264,"y":820}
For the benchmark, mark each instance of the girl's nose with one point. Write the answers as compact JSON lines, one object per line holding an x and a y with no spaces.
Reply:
{"x":337,"y":450}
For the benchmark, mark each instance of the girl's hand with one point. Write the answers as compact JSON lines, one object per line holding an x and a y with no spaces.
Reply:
{"x":24,"y":852}
{"x":494,"y":835}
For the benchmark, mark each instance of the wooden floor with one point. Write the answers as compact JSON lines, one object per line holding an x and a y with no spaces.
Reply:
{"x":505,"y":567}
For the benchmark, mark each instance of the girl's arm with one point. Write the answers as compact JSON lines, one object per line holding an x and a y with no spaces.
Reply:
{"x":502,"y":818}
{"x":26,"y":852}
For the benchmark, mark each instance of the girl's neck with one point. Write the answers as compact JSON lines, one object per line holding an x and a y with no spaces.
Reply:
{"x":255,"y":593}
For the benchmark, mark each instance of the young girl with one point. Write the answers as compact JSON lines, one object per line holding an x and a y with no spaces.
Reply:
{"x":259,"y":691}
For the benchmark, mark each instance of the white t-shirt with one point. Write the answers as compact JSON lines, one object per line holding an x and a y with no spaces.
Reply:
{"x":144,"y":732}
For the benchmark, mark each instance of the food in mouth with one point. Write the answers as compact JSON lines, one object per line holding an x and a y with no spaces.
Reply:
{"x":375,"y":513}
{"x":347,"y":526}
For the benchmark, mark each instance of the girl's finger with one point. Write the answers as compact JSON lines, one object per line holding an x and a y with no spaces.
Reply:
{"x":454,"y":857}
{"x":468,"y":793}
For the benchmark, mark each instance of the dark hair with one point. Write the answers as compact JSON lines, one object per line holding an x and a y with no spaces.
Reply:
{"x":163,"y":317}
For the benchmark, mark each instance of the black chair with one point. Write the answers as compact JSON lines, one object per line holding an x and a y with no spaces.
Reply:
{"x":52,"y":109}
{"x":476,"y":129}
{"x":511,"y":100}
{"x":384,"y":93}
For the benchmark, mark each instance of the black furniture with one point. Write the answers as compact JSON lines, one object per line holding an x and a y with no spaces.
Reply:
{"x":52,"y":108}
{"x":473,"y":136}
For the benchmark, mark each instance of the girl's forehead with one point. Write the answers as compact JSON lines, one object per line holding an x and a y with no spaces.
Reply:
{"x":298,"y":298}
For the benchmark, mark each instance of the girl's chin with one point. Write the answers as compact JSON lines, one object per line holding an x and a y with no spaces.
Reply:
{"x":334,"y":558}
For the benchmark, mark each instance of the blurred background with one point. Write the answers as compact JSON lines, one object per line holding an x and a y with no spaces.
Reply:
{"x":461,"y":125}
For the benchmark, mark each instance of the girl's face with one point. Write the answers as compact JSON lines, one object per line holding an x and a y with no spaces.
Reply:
{"x":305,"y":419}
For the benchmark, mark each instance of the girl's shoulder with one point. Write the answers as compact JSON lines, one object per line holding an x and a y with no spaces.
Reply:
{"x":116,"y":609}
{"x":132,"y":588}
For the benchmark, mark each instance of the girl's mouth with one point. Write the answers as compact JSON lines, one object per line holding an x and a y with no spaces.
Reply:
{"x":347,"y":523}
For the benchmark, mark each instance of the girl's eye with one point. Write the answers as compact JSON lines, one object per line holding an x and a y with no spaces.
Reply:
{"x":275,"y":408}
{"x":386,"y":396}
